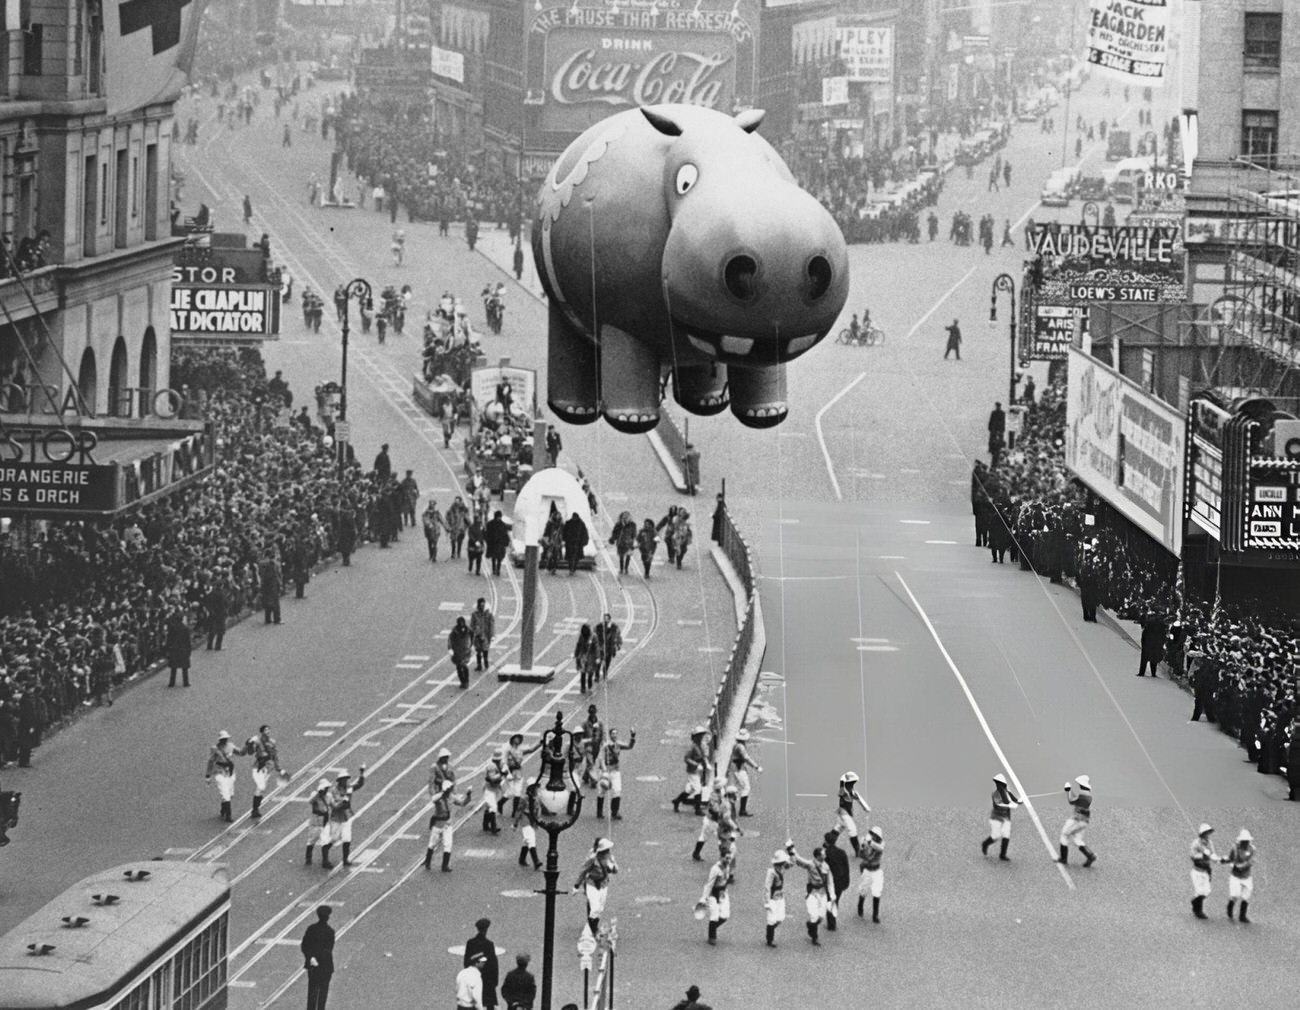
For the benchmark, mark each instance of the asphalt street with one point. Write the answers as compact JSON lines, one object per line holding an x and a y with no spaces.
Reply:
{"x":894,"y":648}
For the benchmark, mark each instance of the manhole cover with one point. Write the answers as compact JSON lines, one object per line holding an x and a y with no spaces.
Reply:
{"x":652,"y":899}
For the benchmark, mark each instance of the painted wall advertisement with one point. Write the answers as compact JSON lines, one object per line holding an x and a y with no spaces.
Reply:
{"x":585,"y":63}
{"x":1129,"y":38}
{"x":867,"y":52}
{"x":1127,"y":446}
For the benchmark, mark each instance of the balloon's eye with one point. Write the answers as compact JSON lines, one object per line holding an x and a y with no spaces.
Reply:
{"x":686,"y":176}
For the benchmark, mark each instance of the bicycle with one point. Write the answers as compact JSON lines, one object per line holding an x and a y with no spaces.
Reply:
{"x":869,"y":337}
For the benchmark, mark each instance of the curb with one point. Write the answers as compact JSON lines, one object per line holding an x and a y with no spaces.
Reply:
{"x":669,"y":464}
{"x":726,"y":742}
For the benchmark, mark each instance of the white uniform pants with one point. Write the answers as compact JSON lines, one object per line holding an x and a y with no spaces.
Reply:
{"x":321,"y":832}
{"x":615,"y":782}
{"x":719,"y":908}
{"x":527,"y":835}
{"x":261,"y":776}
{"x":775,"y":911}
{"x":1073,"y":831}
{"x":846,"y":822}
{"x":515,"y":786}
{"x":1200,"y":883}
{"x":1239,"y":887}
{"x":492,"y":797}
{"x":694,"y":784}
{"x":815,"y":903}
{"x":440,"y":831}
{"x":742,"y":781}
{"x":225,"y":786}
{"x":596,"y":900}
{"x":708,"y":827}
{"x":341,"y":831}
{"x":999,"y":829}
{"x":873,"y":881}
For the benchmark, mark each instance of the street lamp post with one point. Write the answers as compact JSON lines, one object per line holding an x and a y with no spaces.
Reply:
{"x":358,"y":288}
{"x":1001,"y":283}
{"x":554,"y":803}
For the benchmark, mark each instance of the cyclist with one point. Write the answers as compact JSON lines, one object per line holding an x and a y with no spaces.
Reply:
{"x":866,"y":320}
{"x":855,"y":330}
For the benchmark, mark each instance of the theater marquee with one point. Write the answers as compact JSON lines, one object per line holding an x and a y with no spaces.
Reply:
{"x":585,"y":63}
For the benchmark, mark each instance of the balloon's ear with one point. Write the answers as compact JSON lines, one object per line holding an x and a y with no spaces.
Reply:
{"x":663,"y":123}
{"x":749,"y":119}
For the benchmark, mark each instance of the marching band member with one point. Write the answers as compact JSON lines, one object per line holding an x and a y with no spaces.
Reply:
{"x":1004,"y":801}
{"x":494,"y":778}
{"x":774,"y":894}
{"x":594,"y":879}
{"x":715,"y":898}
{"x":873,"y":877}
{"x":1079,"y":796}
{"x":847,"y":796}
{"x":341,"y":812}
{"x":1240,"y":884}
{"x":820,"y":888}
{"x":221,"y":769}
{"x":442,"y":785}
{"x":515,"y":772}
{"x":609,"y":779}
{"x":527,"y":833}
{"x":741,"y":762}
{"x":266,"y":759}
{"x":318,"y":824}
{"x":696,"y":768}
{"x":1203,"y":855}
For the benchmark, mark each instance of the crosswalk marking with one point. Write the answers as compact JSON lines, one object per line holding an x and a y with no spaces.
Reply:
{"x":415,"y":659}
{"x":331,"y":723}
{"x":408,"y":666}
{"x":318,"y":732}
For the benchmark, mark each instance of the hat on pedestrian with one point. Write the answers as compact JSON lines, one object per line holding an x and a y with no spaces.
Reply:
{"x":604,"y":845}
{"x":482,"y":924}
{"x":1083,"y":782}
{"x":742,"y":736}
{"x":444,"y":753}
{"x":479,"y":958}
{"x":849,"y":777}
{"x":730,"y":791}
{"x":876,"y":834}
{"x":780,"y":856}
{"x":1204,"y":829}
{"x":1245,"y":836}
{"x":223,"y":735}
{"x":341,"y":776}
{"x":693,"y":992}
{"x":1000,"y":779}
{"x":698,"y":731}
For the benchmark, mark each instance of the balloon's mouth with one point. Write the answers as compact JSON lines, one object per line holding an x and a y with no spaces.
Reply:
{"x":749,"y":350}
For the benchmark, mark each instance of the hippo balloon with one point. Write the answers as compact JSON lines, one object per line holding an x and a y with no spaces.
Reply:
{"x":673,"y":239}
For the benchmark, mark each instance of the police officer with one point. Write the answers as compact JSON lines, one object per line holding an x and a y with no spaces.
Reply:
{"x":266,"y":759}
{"x":341,"y":812}
{"x":1079,"y":796}
{"x":482,"y":626}
{"x":318,"y":824}
{"x":1203,"y":855}
{"x":774,"y":894}
{"x":609,"y":778}
{"x":873,"y":877}
{"x":741,"y":762}
{"x":1004,"y":800}
{"x":442,"y":784}
{"x":221,"y":769}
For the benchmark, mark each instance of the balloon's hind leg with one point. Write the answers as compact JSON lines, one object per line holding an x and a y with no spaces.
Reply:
{"x":572,"y":361}
{"x":758,"y":395}
{"x":629,"y":381}
{"x":702,"y":388}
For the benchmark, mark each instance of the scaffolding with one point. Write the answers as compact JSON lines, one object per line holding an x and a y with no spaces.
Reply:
{"x":1262,"y":280}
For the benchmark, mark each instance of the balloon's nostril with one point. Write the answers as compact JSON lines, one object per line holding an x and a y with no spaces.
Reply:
{"x":819,"y":277}
{"x":740,"y":275}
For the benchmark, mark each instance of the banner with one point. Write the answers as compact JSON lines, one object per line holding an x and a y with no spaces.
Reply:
{"x":148,"y":50}
{"x":56,"y":487}
{"x":448,"y":64}
{"x":1130,"y":38}
{"x":1127,"y":446}
{"x":835,"y":91}
{"x":244,"y":311}
{"x":483,"y":384}
{"x":867,"y":53}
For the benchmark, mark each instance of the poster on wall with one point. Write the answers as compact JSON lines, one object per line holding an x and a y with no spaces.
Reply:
{"x":867,"y":52}
{"x":1130,"y":39}
{"x":1127,"y":446}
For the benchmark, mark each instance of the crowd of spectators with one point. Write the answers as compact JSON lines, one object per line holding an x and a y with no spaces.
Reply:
{"x":87,"y":605}
{"x":395,"y":147}
{"x":1241,"y":662}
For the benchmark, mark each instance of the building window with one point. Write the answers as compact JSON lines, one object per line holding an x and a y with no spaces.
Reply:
{"x":78,"y":40}
{"x":33,"y":40}
{"x":1263,"y":41}
{"x":1258,"y":136}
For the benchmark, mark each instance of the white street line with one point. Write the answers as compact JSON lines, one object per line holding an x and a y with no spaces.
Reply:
{"x":821,"y":438}
{"x":415,"y":659}
{"x":952,"y":542}
{"x":872,"y":640}
{"x":988,"y":733}
{"x":915,"y":522}
{"x":318,"y":732}
{"x":804,"y":578}
{"x":408,"y":666}
{"x":877,"y":648}
{"x":331,"y":723}
{"x":891,"y":557}
{"x":819,"y":796}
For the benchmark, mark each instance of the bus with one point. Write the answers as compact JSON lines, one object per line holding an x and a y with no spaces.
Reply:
{"x":150,"y":935}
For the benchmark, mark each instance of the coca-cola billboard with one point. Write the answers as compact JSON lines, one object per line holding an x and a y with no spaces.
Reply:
{"x":586,"y":63}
